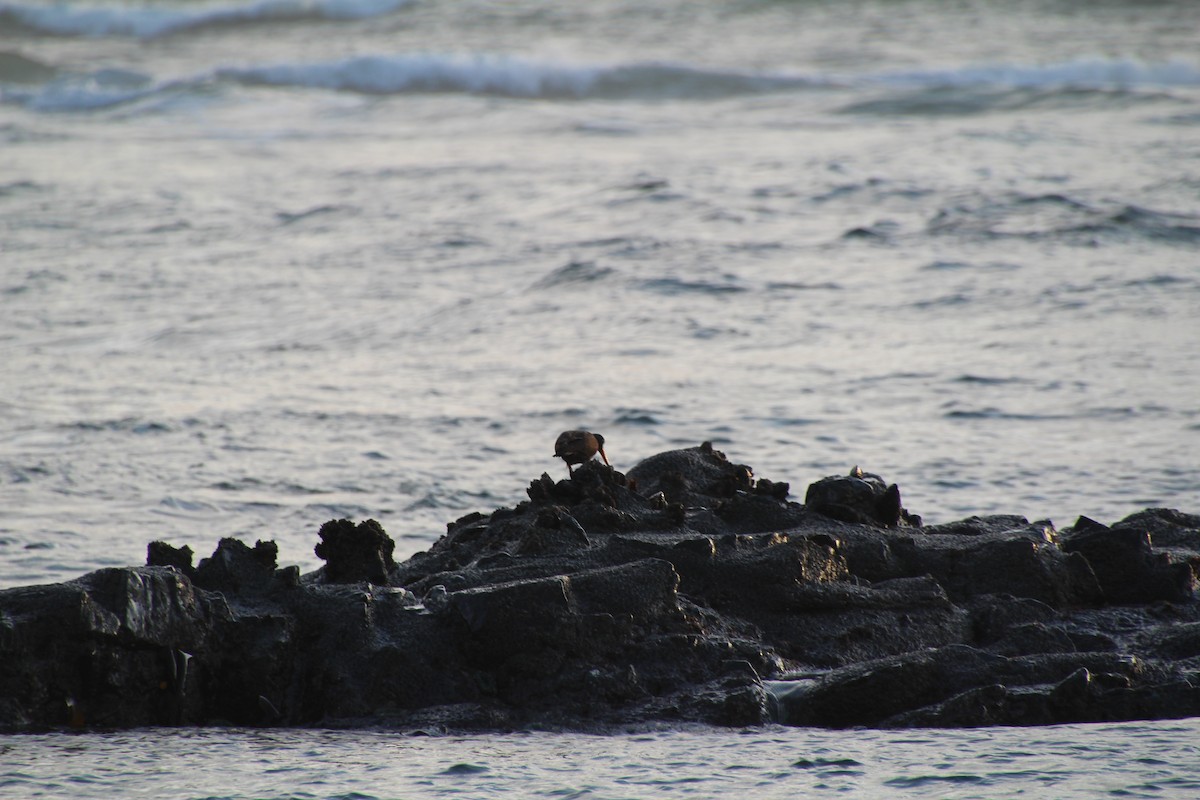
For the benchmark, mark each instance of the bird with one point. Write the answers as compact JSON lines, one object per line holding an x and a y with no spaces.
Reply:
{"x":576,"y":447}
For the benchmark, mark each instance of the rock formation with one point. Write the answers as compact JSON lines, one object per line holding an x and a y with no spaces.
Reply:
{"x":685,"y":591}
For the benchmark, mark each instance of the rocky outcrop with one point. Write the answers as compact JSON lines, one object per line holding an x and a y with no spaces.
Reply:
{"x":685,"y":591}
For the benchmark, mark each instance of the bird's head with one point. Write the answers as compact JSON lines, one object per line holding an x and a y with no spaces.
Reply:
{"x":600,"y":447}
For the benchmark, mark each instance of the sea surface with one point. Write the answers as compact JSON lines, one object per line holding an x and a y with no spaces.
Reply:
{"x":265,"y":263}
{"x":1074,"y":762}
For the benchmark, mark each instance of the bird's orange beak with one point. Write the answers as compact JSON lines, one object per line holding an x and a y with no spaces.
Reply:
{"x":604,"y":457}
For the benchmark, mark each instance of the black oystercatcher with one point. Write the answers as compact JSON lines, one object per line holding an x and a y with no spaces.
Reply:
{"x":576,"y":447}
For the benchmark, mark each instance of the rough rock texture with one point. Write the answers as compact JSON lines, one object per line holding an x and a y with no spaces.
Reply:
{"x":686,"y":591}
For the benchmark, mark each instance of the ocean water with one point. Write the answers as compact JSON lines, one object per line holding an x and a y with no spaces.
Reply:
{"x":264,"y":263}
{"x":1160,"y":760}
{"x":267,"y":263}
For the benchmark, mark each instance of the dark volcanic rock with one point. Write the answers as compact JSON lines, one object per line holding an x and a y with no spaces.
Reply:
{"x":238,"y":569}
{"x":1128,"y":567}
{"x":1023,"y":561}
{"x":109,"y":649}
{"x":859,"y":497}
{"x":960,"y":686}
{"x":686,"y":590}
{"x":161,"y":554}
{"x":353,"y":553}
{"x":692,"y":477}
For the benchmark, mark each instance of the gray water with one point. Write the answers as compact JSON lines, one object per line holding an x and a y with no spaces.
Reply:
{"x":1160,"y":760}
{"x":264,"y":264}
{"x":267,"y":264}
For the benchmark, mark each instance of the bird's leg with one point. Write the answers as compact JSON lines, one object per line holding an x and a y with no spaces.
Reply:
{"x":570,"y":472}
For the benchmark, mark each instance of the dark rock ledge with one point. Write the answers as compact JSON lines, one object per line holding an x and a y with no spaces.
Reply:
{"x":685,"y":591}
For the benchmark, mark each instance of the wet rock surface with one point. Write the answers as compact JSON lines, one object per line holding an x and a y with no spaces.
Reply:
{"x":685,"y":591}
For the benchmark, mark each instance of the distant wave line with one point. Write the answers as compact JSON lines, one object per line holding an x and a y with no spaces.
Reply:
{"x":1091,"y":73}
{"x":523,"y":77}
{"x":513,"y":76}
{"x":483,"y":74}
{"x":504,"y":74}
{"x":147,"y":23}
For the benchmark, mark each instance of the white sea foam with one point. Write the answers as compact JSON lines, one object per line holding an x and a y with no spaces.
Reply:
{"x":512,"y":76}
{"x":148,"y":22}
{"x":486,"y":74}
{"x":525,"y":77}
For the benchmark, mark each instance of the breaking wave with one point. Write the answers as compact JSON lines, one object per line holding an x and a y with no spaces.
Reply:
{"x":512,"y":76}
{"x":72,"y":92}
{"x":495,"y":75}
{"x":149,"y":22}
{"x":523,"y":77}
{"x":1078,"y":74}
{"x":981,"y":89}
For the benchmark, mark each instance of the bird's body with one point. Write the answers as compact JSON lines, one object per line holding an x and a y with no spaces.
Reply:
{"x":576,"y":447}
